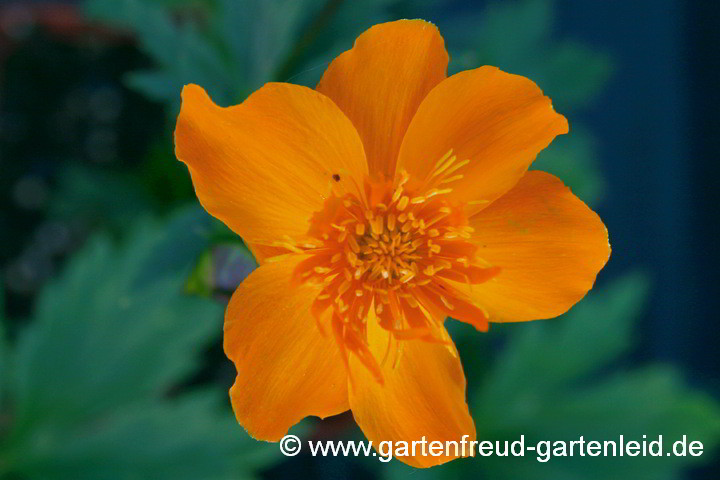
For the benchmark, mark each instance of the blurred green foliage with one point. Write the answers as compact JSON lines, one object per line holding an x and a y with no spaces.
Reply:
{"x":3,"y":359}
{"x":100,"y":384}
{"x":559,"y":380}
{"x":92,"y":390}
{"x":91,"y":194}
{"x":518,"y":37}
{"x":232,"y":47}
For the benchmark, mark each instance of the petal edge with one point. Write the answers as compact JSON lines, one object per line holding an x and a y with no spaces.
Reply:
{"x":423,"y":395}
{"x":287,"y":370}
{"x":549,"y":245}
{"x":264,"y":166}
{"x":380,"y":82}
{"x":496,"y":121}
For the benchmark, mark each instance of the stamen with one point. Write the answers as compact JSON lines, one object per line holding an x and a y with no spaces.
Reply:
{"x":452,"y":179}
{"x":407,"y":277}
{"x":445,"y":166}
{"x":447,"y":304}
{"x":344,"y":287}
{"x":403,"y":203}
{"x":443,"y":158}
{"x":352,"y":258}
{"x":377,"y":225}
{"x":394,"y":244}
{"x":352,"y":241}
{"x":457,"y":166}
{"x":289,"y":246}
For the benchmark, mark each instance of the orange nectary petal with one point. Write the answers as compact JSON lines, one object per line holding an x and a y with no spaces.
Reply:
{"x":423,"y":395}
{"x":286,"y":369}
{"x":497,"y":121}
{"x":380,"y":82}
{"x":264,"y":166}
{"x":548,"y":244}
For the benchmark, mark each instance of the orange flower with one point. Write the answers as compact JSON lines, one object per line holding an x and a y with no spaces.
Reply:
{"x":377,"y":205}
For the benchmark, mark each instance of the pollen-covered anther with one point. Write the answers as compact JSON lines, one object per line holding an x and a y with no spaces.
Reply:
{"x":394,"y":252}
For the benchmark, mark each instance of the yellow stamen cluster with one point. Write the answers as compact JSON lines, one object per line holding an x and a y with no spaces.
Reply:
{"x":394,"y":251}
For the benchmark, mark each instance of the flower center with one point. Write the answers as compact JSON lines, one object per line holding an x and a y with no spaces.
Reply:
{"x":397,"y":251}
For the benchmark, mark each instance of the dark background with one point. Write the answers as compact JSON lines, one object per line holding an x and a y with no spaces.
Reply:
{"x":659,"y":128}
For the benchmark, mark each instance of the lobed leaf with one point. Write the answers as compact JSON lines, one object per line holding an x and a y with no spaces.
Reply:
{"x":109,"y":340}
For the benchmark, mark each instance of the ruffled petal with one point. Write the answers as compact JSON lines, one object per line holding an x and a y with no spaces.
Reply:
{"x":495,"y":121}
{"x":548,"y":244}
{"x":380,"y":82}
{"x":287,"y":369}
{"x":423,"y":395}
{"x":264,"y":166}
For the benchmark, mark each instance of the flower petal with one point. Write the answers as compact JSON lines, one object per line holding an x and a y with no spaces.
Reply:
{"x":380,"y":82}
{"x":423,"y":395}
{"x":287,"y":369}
{"x":548,"y":244}
{"x":497,"y":121}
{"x":264,"y":166}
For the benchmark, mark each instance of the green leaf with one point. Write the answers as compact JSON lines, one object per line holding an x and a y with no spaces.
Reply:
{"x":3,"y":357}
{"x":518,"y":38}
{"x":185,"y":438}
{"x":260,"y":34}
{"x":183,"y":54}
{"x":157,"y":85}
{"x":575,"y":74}
{"x":114,"y":326}
{"x":650,"y":401}
{"x":539,"y":387}
{"x":333,"y":31}
{"x":548,"y":384}
{"x":108,"y":341}
{"x":546,"y":355}
{"x":97,"y":196}
{"x":232,"y":47}
{"x":511,"y":29}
